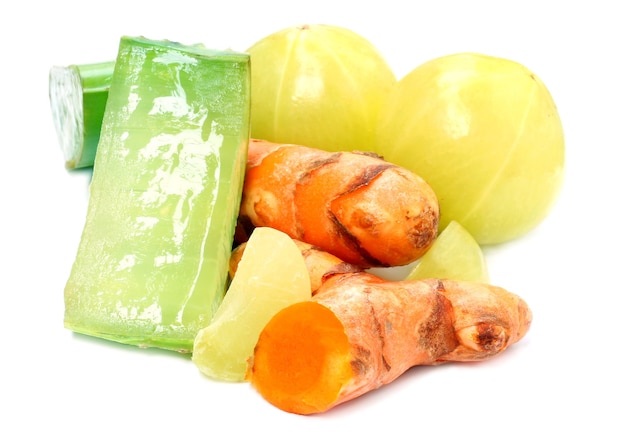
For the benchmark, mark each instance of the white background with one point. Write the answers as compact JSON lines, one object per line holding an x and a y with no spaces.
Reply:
{"x":565,"y":376}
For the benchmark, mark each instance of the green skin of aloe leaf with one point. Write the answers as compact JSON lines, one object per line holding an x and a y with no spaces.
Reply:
{"x":78,"y":97}
{"x":151,"y":267}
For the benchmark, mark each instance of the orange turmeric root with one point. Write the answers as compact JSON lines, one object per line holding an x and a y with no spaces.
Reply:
{"x":361,"y":332}
{"x":320,"y":263}
{"x":356,"y":206}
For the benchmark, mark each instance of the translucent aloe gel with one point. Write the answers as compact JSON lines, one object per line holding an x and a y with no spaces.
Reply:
{"x":151,"y":267}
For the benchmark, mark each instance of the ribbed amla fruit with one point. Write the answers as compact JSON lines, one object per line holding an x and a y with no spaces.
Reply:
{"x":485,"y":133}
{"x":318,"y":85}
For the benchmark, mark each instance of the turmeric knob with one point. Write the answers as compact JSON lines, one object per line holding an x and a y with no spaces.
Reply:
{"x":356,"y":206}
{"x":360,"y":332}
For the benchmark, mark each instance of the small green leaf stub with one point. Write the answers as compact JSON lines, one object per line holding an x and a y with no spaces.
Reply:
{"x":78,"y":96}
{"x":151,"y":267}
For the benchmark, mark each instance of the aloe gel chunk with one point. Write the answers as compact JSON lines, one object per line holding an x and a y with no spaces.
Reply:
{"x":152,"y":263}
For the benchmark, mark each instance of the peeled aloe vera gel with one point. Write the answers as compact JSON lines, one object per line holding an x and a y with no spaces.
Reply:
{"x":152,"y":263}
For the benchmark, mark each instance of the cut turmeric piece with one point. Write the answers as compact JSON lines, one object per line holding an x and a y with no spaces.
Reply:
{"x":356,"y":206}
{"x":360,"y":332}
{"x":314,"y":367}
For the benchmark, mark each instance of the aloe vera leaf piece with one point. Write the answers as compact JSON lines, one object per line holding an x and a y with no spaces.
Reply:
{"x":78,"y":96}
{"x":151,"y":267}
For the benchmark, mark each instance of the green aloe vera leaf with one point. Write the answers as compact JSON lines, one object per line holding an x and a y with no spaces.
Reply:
{"x":152,"y":262}
{"x":78,"y":96}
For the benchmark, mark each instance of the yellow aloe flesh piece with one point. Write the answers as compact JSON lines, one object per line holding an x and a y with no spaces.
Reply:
{"x":456,"y":255}
{"x":152,"y":264}
{"x":270,"y":276}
